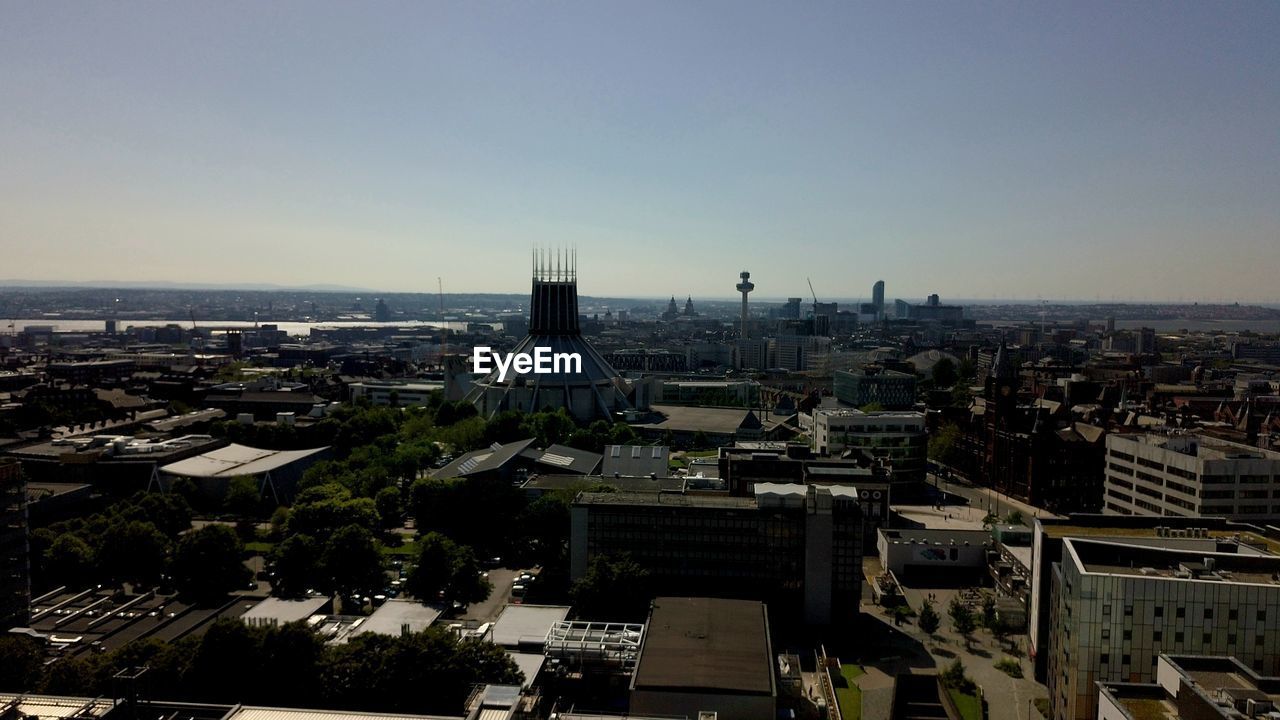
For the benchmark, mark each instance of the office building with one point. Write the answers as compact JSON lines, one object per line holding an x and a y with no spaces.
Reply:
{"x":397,"y":393}
{"x":1116,"y":607}
{"x":704,"y":657}
{"x":796,"y":547}
{"x":890,"y":389}
{"x":15,"y":580}
{"x":1191,"y":475}
{"x":895,"y":438}
{"x":877,"y":299}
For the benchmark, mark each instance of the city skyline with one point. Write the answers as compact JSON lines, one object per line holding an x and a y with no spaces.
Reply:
{"x":1088,"y":152}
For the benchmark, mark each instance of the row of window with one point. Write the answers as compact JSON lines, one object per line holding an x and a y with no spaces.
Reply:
{"x":1181,"y":612}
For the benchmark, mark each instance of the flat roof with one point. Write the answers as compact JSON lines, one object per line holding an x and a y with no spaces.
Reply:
{"x":526,"y":624}
{"x":285,"y":611}
{"x":235,"y":460}
{"x":56,"y":706}
{"x":670,"y":499}
{"x":392,"y":617}
{"x":273,"y":713}
{"x":682,"y":418}
{"x":529,"y":663}
{"x":625,"y":483}
{"x":703,"y":644}
{"x":1102,"y":557}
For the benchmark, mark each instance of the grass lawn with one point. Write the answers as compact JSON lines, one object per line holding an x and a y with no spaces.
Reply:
{"x":408,"y":549}
{"x":259,"y":548}
{"x":970,"y":706}
{"x":701,"y":453}
{"x":848,"y":694}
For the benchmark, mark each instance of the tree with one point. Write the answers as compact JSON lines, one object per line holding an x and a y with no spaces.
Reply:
{"x":207,"y":563}
{"x":22,"y":658}
{"x":928,"y":620}
{"x":989,"y":615}
{"x":389,"y":506}
{"x":944,"y":373}
{"x":612,"y":587}
{"x":351,"y":561}
{"x":1014,"y":517}
{"x":243,"y":499}
{"x":956,"y":678}
{"x":989,"y":520}
{"x":962,"y":620}
{"x":133,"y":551}
{"x":296,"y":567}
{"x":701,"y":441}
{"x":68,"y":561}
{"x":942,"y":444}
{"x":446,"y":570}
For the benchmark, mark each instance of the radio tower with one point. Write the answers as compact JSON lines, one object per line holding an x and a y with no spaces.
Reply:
{"x":745,"y":287}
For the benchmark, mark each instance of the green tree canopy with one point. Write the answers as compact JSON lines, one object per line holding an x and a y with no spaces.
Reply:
{"x":207,"y":563}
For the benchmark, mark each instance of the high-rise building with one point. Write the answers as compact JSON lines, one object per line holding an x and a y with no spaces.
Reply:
{"x":15,"y":581}
{"x":877,"y":298}
{"x":381,"y":313}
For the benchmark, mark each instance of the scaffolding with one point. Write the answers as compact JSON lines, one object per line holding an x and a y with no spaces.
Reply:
{"x":576,"y":647}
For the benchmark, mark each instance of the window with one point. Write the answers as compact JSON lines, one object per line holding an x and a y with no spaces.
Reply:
{"x":1231,"y":639}
{"x":1259,"y":640}
{"x":1159,"y":611}
{"x":1124,"y":659}
{"x":1106,"y":609}
{"x":1206,"y":638}
{"x":1233,"y":614}
{"x":1128,"y":610}
{"x":1182,"y":612}
{"x":1106,"y":633}
{"x":1128,"y":634}
{"x":1262,"y":616}
{"x":1208,"y":613}
{"x":1177,"y":637}
{"x":1157,"y":635}
{"x":1106,"y":658}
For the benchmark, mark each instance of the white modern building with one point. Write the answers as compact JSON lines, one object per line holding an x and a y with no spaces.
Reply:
{"x":1190,"y":475}
{"x":1116,"y":608}
{"x":402,"y":393}
{"x":896,"y":437}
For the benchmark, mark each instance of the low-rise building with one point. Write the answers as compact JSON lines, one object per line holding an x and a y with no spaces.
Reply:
{"x":705,"y":655}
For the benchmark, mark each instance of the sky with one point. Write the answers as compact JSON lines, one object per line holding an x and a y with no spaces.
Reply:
{"x":1081,"y":150}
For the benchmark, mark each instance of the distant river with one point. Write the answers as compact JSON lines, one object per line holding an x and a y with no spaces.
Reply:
{"x":293,"y":328}
{"x":1173,"y":325}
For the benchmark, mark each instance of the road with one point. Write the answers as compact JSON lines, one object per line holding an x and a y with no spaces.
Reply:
{"x":489,"y":609}
{"x":987,"y":499}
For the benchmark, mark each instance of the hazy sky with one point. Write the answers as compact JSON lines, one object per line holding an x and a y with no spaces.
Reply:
{"x":974,"y":149}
